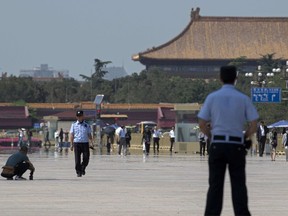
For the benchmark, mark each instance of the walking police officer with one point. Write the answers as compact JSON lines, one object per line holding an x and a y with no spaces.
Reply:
{"x":227,"y":110}
{"x":80,"y":134}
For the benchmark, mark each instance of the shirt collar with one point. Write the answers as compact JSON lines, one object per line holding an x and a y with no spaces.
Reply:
{"x":231,"y":86}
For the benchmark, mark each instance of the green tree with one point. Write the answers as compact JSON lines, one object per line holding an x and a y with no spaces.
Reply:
{"x":99,"y":72}
{"x":21,"y":88}
{"x":268,"y":62}
{"x":96,"y":79}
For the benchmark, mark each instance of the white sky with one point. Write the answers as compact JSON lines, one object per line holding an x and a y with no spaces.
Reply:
{"x":70,"y":34}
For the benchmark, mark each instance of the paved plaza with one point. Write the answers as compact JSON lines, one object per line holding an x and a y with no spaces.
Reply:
{"x":136,"y":185}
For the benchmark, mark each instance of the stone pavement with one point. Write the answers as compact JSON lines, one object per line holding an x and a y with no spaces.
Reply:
{"x":136,"y":185}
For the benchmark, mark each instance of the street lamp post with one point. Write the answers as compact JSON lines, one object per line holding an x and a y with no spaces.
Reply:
{"x":98,"y":101}
{"x":260,"y":77}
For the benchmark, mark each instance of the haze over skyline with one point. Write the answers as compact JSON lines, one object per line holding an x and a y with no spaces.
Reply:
{"x":70,"y":34}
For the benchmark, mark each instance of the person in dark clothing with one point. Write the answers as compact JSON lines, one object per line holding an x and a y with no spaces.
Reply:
{"x":46,"y":138}
{"x":146,"y":139}
{"x":17,"y":164}
{"x":61,"y":136}
{"x":128,"y":140}
{"x":273,"y":142}
{"x":172,"y":138}
{"x":202,"y":143}
{"x":110,"y":141}
{"x":262,"y":132}
{"x":156,"y":133}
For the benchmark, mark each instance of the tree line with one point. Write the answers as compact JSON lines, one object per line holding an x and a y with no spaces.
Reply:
{"x":146,"y":87}
{"x":153,"y":86}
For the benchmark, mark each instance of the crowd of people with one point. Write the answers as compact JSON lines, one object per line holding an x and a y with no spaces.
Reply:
{"x":271,"y":137}
{"x":266,"y":141}
{"x":61,"y":140}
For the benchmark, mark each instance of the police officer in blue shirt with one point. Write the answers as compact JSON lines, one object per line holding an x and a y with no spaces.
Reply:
{"x":227,"y":111}
{"x":80,"y":134}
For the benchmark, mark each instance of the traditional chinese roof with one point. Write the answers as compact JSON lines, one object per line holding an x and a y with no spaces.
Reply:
{"x":221,"y":38}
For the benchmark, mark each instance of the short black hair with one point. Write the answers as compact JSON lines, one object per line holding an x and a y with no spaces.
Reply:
{"x":24,"y":149}
{"x":228,"y":74}
{"x":79,"y":113}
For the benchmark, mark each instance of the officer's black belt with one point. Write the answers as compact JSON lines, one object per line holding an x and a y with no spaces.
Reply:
{"x":230,"y":138}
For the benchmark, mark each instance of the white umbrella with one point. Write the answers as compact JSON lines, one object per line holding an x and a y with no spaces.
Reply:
{"x":279,"y":124}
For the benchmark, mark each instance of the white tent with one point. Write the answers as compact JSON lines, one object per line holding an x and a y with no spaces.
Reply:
{"x":279,"y":124}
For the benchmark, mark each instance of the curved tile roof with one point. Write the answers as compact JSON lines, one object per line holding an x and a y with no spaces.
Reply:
{"x":225,"y":38}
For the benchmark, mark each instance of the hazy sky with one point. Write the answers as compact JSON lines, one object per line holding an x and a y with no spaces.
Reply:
{"x":70,"y":34}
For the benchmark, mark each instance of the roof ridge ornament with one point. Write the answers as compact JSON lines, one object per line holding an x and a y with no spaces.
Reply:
{"x":195,"y":14}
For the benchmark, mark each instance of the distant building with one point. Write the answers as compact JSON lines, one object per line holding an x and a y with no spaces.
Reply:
{"x":44,"y":72}
{"x":13,"y":117}
{"x":209,"y":42}
{"x":115,"y":72}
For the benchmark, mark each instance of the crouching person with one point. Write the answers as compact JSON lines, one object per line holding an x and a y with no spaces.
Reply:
{"x":17,"y":164}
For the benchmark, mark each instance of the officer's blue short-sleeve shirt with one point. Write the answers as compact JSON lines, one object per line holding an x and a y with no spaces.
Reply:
{"x":81,"y":131}
{"x":228,"y":110}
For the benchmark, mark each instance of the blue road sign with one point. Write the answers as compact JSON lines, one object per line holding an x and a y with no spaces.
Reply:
{"x":266,"y":95}
{"x":36,"y":125}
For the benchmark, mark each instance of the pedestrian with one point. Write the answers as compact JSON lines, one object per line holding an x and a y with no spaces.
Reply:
{"x":56,"y":137}
{"x":262,"y":132}
{"x":17,"y":164}
{"x":202,"y":143}
{"x":128,"y":140}
{"x":227,"y":110}
{"x":156,"y":133}
{"x":29,"y":137}
{"x":172,"y":138}
{"x":110,"y":140}
{"x":20,"y":136}
{"x":117,"y":135}
{"x":273,"y":143}
{"x":66,"y":141}
{"x":122,"y":141}
{"x":80,"y":134}
{"x":146,"y":139}
{"x":46,"y":138}
{"x":61,"y":136}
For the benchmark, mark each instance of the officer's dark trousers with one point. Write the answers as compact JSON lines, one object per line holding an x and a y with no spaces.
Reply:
{"x":221,"y":155}
{"x":81,"y":149}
